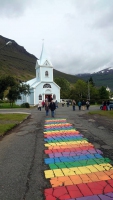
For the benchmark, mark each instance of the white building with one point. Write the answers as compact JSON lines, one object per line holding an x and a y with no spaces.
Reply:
{"x":108,"y":89}
{"x":42,"y":87}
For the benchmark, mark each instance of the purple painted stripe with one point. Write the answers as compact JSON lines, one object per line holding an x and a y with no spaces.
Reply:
{"x":94,"y":197}
{"x":65,"y":154}
{"x":108,"y":196}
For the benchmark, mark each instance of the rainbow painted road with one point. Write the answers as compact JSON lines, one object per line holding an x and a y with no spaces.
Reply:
{"x":77,"y":171}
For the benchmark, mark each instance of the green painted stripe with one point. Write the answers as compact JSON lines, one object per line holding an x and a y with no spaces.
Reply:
{"x":80,"y":163}
{"x":66,"y":140}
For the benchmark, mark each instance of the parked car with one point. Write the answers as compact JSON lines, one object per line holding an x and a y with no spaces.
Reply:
{"x":110,"y":105}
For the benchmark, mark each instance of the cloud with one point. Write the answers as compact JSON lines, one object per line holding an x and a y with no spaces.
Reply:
{"x":77,"y":33}
{"x":14,"y":8}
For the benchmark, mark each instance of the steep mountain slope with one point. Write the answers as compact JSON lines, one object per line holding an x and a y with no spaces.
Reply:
{"x":16,"y":61}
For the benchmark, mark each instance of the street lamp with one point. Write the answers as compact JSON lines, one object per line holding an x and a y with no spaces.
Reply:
{"x":7,"y":44}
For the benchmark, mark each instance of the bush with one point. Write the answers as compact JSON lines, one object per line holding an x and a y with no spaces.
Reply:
{"x":25,"y":105}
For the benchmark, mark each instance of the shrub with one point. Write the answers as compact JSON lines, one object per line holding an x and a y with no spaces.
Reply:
{"x":25,"y":105}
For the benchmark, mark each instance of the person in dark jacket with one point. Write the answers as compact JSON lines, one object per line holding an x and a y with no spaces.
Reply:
{"x":79,"y":105}
{"x":87,"y":104}
{"x":52,"y":107}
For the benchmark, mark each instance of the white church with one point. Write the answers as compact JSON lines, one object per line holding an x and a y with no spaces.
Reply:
{"x":42,"y":87}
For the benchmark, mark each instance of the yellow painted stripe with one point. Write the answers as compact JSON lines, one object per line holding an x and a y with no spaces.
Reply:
{"x":61,"y":131}
{"x":66,"y":143}
{"x":77,"y":170}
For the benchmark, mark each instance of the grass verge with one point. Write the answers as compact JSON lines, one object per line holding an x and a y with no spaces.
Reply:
{"x":8,"y":121}
{"x":7,"y":105}
{"x":108,"y":114}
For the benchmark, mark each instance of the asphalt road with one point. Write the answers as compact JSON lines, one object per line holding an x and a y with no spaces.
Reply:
{"x":22,"y":151}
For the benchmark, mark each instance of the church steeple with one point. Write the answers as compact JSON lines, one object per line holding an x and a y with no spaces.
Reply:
{"x":44,"y":61}
{"x":44,"y":68}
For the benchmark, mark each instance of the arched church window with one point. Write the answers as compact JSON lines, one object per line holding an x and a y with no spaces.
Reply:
{"x":46,"y":85}
{"x":40,"y":97}
{"x":54,"y":96}
{"x":46,"y":73}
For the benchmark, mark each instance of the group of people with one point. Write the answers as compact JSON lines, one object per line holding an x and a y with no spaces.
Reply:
{"x":48,"y":106}
{"x":81,"y":104}
{"x":105,"y":105}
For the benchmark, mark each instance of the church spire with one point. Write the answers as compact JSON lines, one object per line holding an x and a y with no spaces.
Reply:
{"x":43,"y":57}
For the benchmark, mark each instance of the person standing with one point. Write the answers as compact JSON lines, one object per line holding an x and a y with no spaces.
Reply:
{"x":73,"y":104}
{"x":43,"y":104}
{"x":83,"y":105}
{"x":40,"y":105}
{"x":56,"y":103}
{"x":108,"y":105}
{"x":104,"y":106}
{"x":47,"y":108}
{"x":52,"y":107}
{"x":79,"y":105}
{"x":87,"y":104}
{"x":67,"y":103}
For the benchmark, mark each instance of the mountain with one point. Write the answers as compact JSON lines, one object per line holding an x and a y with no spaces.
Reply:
{"x":100,"y":78}
{"x":17,"y":62}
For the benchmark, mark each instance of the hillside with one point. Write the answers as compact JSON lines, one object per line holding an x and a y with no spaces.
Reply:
{"x":16,"y":61}
{"x":100,"y":78}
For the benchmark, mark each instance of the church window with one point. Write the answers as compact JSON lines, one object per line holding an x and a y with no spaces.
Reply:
{"x":40,"y":97}
{"x":54,"y":96}
{"x":46,"y":85}
{"x":46,"y":73}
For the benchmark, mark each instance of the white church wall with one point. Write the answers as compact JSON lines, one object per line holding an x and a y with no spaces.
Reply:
{"x":21,"y":101}
{"x":45,"y":78}
{"x":56,"y":91}
{"x":38,"y":74}
{"x":39,"y":90}
{"x":30,"y":98}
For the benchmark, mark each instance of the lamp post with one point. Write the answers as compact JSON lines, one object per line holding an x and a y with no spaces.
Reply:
{"x":7,"y":44}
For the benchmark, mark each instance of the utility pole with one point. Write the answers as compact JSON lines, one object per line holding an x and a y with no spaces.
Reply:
{"x":88,"y":91}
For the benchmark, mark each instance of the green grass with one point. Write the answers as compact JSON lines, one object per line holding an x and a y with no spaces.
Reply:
{"x":7,"y":105}
{"x":8,"y":121}
{"x":108,"y":114}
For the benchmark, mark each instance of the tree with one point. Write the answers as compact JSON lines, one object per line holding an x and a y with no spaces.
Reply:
{"x":13,"y":94}
{"x":5,"y":82}
{"x":81,"y":89}
{"x":65,"y":87}
{"x":91,"y":81}
{"x":104,"y":94}
{"x":16,"y":90}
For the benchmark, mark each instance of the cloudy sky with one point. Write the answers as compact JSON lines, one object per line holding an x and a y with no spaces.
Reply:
{"x":78,"y":34}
